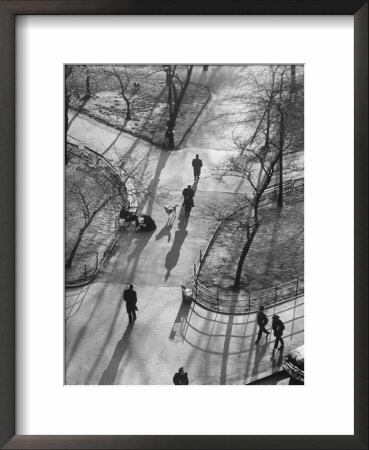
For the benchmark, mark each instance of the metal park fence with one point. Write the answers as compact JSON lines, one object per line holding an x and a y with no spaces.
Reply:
{"x":245,"y":302}
{"x":85,"y":273}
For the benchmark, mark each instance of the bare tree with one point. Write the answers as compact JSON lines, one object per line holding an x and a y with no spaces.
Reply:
{"x":247,"y":167}
{"x":73,"y":91}
{"x":90,"y":187}
{"x":176,"y":91}
{"x":121,"y":74}
{"x":288,"y":117}
{"x":96,"y":183}
{"x":68,"y":69}
{"x":271,"y":125}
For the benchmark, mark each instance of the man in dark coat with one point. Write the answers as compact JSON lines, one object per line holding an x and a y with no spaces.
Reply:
{"x":262,"y":320}
{"x":130,"y":297}
{"x":180,"y":377}
{"x":196,"y":164}
{"x":189,"y":192}
{"x":278,"y":327}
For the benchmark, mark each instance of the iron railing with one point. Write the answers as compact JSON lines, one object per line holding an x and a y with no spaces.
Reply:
{"x":246,"y":302}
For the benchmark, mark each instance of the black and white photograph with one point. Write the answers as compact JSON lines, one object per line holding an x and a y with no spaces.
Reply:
{"x":184,"y":224}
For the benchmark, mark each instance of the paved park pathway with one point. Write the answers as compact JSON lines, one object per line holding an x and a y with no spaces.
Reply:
{"x":101,"y":347}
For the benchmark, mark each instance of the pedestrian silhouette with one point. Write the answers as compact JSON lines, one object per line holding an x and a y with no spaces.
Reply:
{"x":130,"y":297}
{"x":262,"y":320}
{"x":278,"y":327}
{"x":196,"y":164}
{"x":189,"y":193}
{"x":180,"y":377}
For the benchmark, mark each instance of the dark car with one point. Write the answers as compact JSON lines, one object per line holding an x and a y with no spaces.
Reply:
{"x":294,"y":365}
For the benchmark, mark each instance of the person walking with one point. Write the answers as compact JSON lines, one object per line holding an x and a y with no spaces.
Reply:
{"x":262,"y":320}
{"x":180,"y":377}
{"x":130,"y":297}
{"x":189,"y":192}
{"x":188,"y":203}
{"x":278,"y":327}
{"x":196,"y":164}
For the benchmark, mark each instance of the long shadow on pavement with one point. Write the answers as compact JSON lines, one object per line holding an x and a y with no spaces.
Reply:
{"x":184,"y":310}
{"x":142,"y":240}
{"x":180,"y":235}
{"x":111,"y":371}
{"x":276,"y":359}
{"x":80,"y":335}
{"x":121,"y":265}
{"x":106,"y":340}
{"x":163,"y":158}
{"x":259,"y":355}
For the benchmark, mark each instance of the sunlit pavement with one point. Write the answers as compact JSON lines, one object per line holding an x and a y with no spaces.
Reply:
{"x":102,"y":348}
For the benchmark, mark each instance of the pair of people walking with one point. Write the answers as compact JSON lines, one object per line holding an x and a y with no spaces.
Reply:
{"x":277,"y":327}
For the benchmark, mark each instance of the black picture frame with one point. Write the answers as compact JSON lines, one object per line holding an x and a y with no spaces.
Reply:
{"x":8,"y":11}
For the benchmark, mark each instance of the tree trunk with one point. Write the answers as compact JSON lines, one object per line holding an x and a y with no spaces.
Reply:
{"x":281,"y":143}
{"x":67,"y":72}
{"x":88,"y":87}
{"x":293,"y":79}
{"x":128,"y":104}
{"x":177,"y":104}
{"x":66,"y":126}
{"x":244,"y":253}
{"x":75,"y":248}
{"x":123,"y":90}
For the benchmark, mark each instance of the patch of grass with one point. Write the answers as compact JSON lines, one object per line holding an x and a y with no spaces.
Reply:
{"x":276,"y":255}
{"x":149,"y":108}
{"x":98,"y":234}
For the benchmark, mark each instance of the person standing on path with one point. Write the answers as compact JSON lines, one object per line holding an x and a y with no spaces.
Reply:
{"x":180,"y":377}
{"x":196,"y":164}
{"x":262,"y":320}
{"x":278,"y":327}
{"x":130,"y":297}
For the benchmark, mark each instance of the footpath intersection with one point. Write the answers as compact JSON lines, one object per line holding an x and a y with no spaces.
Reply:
{"x":102,"y":348}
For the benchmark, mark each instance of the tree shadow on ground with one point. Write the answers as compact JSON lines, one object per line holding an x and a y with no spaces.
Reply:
{"x":111,"y":371}
{"x":104,"y":344}
{"x":227,"y":341}
{"x":183,"y":312}
{"x":163,"y":158}
{"x":141,"y":239}
{"x":110,"y":146}
{"x":180,"y":235}
{"x":226,"y":346}
{"x":81,"y":333}
{"x":259,"y":355}
{"x":77,"y":112}
{"x":115,"y":257}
